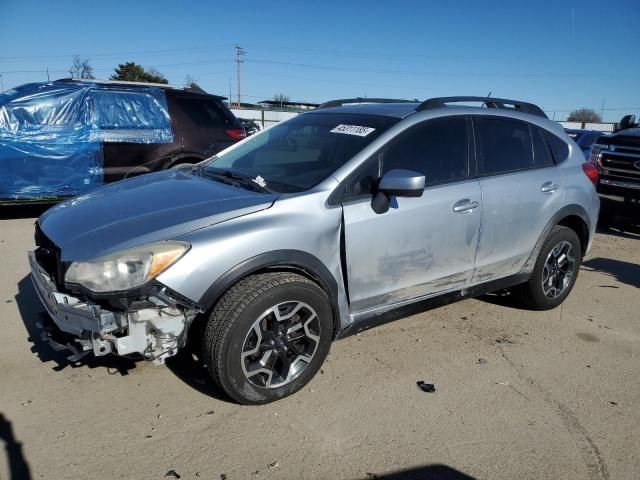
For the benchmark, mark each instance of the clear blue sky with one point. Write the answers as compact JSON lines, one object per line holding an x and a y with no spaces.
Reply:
{"x":558,"y":54}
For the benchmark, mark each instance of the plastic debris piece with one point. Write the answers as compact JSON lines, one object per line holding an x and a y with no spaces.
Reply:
{"x":273,"y":465}
{"x":426,"y":387}
{"x":483,"y":360}
{"x":172,"y":474}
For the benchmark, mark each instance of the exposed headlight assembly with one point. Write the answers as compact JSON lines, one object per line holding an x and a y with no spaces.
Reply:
{"x":127,"y":269}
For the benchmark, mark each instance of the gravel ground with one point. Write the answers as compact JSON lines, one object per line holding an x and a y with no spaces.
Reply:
{"x":519,"y":394}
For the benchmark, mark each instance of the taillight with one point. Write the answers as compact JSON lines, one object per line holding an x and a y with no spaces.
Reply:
{"x":591,"y":172}
{"x":595,"y":152}
{"x":237,"y":133}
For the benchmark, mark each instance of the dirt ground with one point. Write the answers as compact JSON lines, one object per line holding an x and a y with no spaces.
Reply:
{"x":519,"y":394}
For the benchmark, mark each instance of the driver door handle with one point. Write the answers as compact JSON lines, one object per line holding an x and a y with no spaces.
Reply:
{"x":465,"y":206}
{"x":549,"y":187}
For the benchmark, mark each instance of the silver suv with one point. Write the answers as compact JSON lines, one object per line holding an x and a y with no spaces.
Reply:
{"x":313,"y":228}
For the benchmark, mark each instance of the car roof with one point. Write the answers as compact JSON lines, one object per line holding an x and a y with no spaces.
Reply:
{"x":122,"y":83}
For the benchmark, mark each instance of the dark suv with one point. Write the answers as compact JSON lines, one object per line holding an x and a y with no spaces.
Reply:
{"x":62,"y":138}
{"x":617,"y":157}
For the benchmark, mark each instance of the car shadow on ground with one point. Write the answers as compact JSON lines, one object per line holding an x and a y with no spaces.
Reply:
{"x":33,"y":314}
{"x":189,"y":368}
{"x":18,"y":466}
{"x":425,"y":472}
{"x":621,"y":271}
{"x":12,"y":212}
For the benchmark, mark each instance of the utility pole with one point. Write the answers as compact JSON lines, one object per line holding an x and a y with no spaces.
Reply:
{"x":48,"y":75}
{"x":602,"y":110}
{"x":230,"y":97}
{"x":240,"y":52}
{"x":1,"y":84}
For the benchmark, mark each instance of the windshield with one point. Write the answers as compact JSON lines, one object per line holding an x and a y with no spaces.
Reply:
{"x":298,"y":154}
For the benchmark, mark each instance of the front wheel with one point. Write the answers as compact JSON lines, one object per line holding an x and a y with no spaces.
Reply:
{"x":555,"y":271}
{"x":268,"y":336}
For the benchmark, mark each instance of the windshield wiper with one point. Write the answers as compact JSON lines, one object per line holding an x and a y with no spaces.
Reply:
{"x":231,"y":177}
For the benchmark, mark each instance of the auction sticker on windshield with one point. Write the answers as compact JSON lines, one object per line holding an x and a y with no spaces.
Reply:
{"x":352,"y":130}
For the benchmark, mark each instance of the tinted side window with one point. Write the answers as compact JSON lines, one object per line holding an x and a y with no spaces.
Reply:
{"x":436,"y":148}
{"x":505,"y":145}
{"x":541,"y":156}
{"x":559,"y":148}
{"x":204,"y":113}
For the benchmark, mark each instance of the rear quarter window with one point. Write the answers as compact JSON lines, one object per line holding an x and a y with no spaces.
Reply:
{"x":202,"y":112}
{"x":559,"y":148}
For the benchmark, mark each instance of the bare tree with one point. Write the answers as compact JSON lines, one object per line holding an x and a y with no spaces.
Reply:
{"x":190,"y":82}
{"x":586,"y":115}
{"x":80,"y":68}
{"x":280,"y":97}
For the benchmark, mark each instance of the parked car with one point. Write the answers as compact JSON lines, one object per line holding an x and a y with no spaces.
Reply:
{"x":62,"y":138}
{"x":584,"y":138}
{"x":312,"y":229}
{"x":617,"y":158}
{"x":250,"y":126}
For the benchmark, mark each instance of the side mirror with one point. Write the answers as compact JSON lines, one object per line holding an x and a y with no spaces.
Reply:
{"x":402,"y":183}
{"x":628,"y":121}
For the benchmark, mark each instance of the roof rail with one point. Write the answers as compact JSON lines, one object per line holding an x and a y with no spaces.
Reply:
{"x":360,"y":100}
{"x":490,"y":102}
{"x":137,"y":84}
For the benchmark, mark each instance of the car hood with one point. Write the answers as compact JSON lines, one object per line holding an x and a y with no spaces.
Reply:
{"x":144,"y":209}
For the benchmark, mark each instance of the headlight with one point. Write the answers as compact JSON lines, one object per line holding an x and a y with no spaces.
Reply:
{"x":125,"y":270}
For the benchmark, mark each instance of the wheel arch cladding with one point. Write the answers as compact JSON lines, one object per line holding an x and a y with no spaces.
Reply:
{"x":571,"y":216}
{"x":578,"y":225}
{"x":279,"y":260}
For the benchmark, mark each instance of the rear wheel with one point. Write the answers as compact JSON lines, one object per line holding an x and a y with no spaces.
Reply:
{"x":555,"y":271}
{"x":268,"y":336}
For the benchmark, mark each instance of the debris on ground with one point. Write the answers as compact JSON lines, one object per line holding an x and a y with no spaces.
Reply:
{"x":211,"y":412}
{"x":613,"y":403}
{"x":273,"y":465}
{"x":483,"y":361}
{"x":426,"y":387}
{"x":28,"y":402}
{"x":172,"y":474}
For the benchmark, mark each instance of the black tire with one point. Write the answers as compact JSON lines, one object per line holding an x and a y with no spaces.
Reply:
{"x":531,"y":293}
{"x":232,"y":322}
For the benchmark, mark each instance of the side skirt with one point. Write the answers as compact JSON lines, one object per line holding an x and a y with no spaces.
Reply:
{"x":390,"y":313}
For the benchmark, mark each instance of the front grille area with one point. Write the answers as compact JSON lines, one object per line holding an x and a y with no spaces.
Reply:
{"x":48,"y":256}
{"x":623,"y":163}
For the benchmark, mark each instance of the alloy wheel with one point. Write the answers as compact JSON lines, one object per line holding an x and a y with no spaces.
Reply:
{"x":280,"y":344}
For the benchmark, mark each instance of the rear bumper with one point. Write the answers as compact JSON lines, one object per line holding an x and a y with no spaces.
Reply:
{"x":156,"y":332}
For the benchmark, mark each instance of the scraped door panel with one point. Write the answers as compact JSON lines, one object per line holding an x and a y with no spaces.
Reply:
{"x":419,"y":247}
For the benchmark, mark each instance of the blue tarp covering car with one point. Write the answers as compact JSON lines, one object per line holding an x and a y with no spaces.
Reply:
{"x":52,"y":134}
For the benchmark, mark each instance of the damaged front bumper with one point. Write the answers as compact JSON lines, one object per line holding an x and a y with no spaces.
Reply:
{"x":156,"y":331}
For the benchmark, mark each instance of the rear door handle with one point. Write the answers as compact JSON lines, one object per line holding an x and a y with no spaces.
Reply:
{"x":549,"y":187}
{"x":465,"y":206}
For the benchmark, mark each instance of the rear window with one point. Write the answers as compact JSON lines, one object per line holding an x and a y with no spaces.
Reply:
{"x":505,"y":145}
{"x":559,"y":148}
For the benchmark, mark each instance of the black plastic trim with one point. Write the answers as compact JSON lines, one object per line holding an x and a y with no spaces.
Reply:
{"x":286,"y":259}
{"x":377,"y":319}
{"x":564,"y":212}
